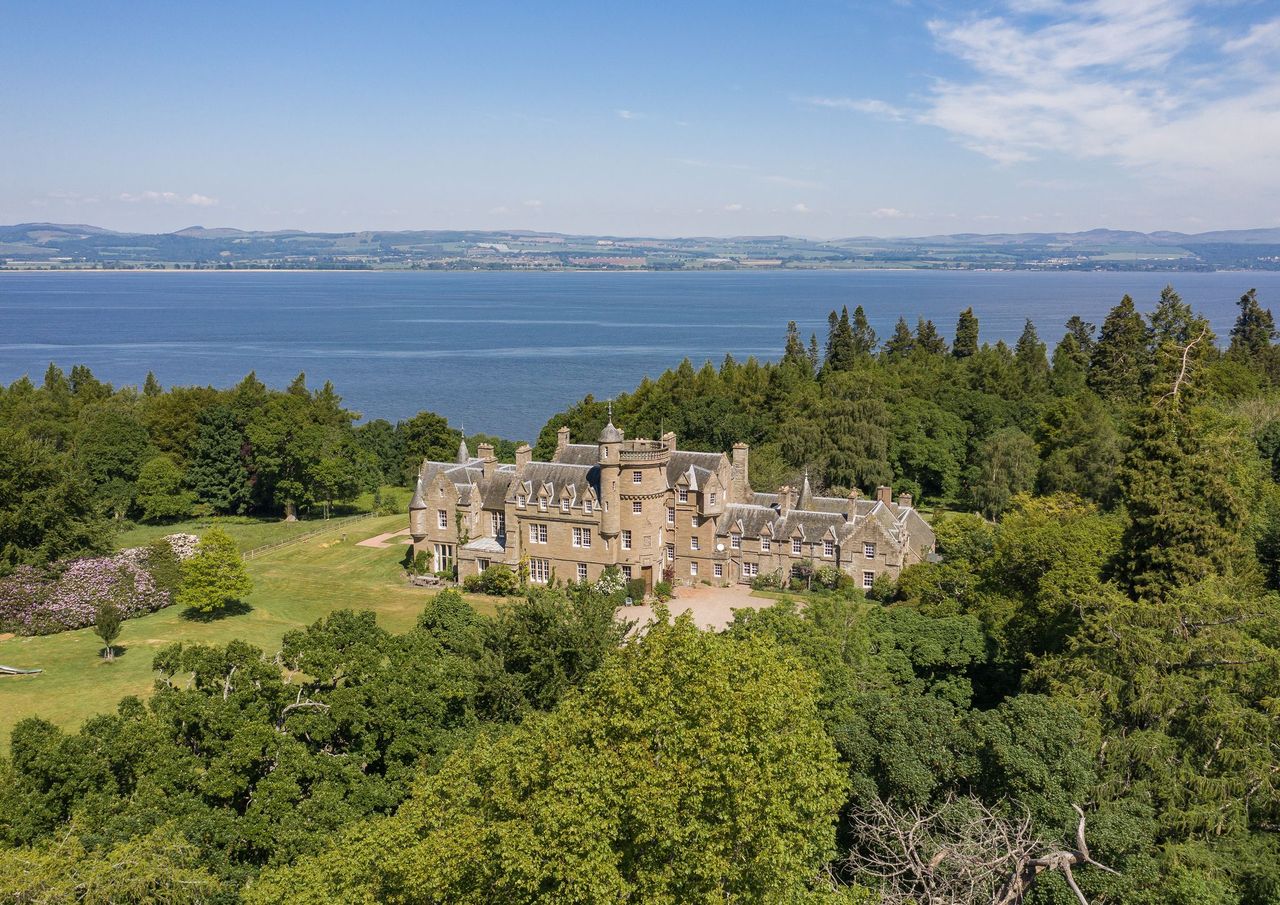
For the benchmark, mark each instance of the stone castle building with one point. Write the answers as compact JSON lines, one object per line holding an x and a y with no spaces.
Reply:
{"x":652,"y":510}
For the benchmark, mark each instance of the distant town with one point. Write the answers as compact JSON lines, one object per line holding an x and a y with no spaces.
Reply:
{"x":51,"y":246}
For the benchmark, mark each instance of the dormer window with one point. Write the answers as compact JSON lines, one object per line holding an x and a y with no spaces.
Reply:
{"x":735,"y":541}
{"x":713,"y":498}
{"x":828,"y":549}
{"x":765,"y":545}
{"x":542,"y":503}
{"x":564,"y":505}
{"x":683,"y":495}
{"x":520,"y":501}
{"x":588,"y":507}
{"x":795,"y":546}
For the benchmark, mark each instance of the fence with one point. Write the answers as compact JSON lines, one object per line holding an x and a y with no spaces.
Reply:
{"x":329,"y":525}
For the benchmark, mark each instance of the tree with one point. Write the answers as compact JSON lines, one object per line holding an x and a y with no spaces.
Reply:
{"x":428,"y":436}
{"x":1120,"y":359}
{"x":965,"y":342}
{"x":901,"y":343}
{"x":735,"y":802}
{"x":215,"y":576}
{"x":1253,"y":335}
{"x":1007,"y":466}
{"x":106,"y":625}
{"x":842,"y":348}
{"x":928,"y":339}
{"x":111,"y":445}
{"x":1029,"y":353}
{"x":864,"y":337}
{"x":151,"y":386}
{"x":219,"y":474}
{"x":160,"y":494}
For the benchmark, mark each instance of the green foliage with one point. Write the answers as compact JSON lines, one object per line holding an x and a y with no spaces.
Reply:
{"x":160,"y":492}
{"x":735,"y":798}
{"x":1008,"y":467}
{"x":498,"y":580}
{"x":215,"y":576}
{"x":965,"y":342}
{"x":106,"y":625}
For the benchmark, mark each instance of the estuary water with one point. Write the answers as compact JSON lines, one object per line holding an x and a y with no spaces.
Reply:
{"x":501,"y":352}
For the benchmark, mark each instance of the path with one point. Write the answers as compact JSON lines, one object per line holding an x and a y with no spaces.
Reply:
{"x":380,"y":541}
{"x":711,"y":607}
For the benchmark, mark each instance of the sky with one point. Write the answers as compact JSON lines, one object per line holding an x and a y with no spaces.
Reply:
{"x":809,"y":118}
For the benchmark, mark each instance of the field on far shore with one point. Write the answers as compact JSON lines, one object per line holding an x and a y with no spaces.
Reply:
{"x":293,"y":586}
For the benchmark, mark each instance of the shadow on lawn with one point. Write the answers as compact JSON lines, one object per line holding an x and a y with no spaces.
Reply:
{"x":235,"y":608}
{"x":117,"y":651}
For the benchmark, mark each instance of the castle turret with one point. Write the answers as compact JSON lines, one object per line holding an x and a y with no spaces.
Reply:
{"x":418,"y":514}
{"x":464,"y":454}
{"x":610,"y":458}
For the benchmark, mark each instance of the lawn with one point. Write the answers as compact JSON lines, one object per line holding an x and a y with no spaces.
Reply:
{"x":292,"y":586}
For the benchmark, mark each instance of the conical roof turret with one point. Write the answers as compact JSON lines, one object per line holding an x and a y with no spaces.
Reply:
{"x":464,"y":454}
{"x":610,"y":434}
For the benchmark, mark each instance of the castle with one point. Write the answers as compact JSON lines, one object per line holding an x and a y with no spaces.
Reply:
{"x":653,"y":511}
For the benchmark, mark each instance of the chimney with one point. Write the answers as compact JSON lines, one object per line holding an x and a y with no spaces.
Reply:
{"x":785,"y":499}
{"x":524,"y":454}
{"x":741,"y":486}
{"x":904,"y":501}
{"x":562,"y":439}
{"x":851,"y":506}
{"x":884,"y":494}
{"x":669,"y":441}
{"x":488,"y":462}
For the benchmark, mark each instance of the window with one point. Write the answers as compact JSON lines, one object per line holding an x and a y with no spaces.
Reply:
{"x":540,"y":570}
{"x":693,"y":569}
{"x":442,"y":518}
{"x":582,"y":537}
{"x":683,"y":495}
{"x":869,"y":550}
{"x":718,"y":570}
{"x":795,"y":546}
{"x":693,"y":521}
{"x":626,"y":572}
{"x":636,"y":477}
{"x":588,"y":507}
{"x":542,"y":503}
{"x":520,"y":501}
{"x":693,"y":543}
{"x":626,"y":539}
{"x":537,"y":534}
{"x":564,"y":505}
{"x":671,"y":552}
{"x":498,"y":521}
{"x":713,"y":499}
{"x":828,"y":549}
{"x":765,"y":545}
{"x":735,"y":541}
{"x":671,"y":515}
{"x":444,"y":558}
{"x":750,"y":569}
{"x":637,"y":507}
{"x":868,"y":579}
{"x":604,"y":452}
{"x":582,"y":571}
{"x":482,"y":564}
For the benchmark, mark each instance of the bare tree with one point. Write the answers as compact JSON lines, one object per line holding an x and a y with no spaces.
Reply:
{"x":960,"y":852}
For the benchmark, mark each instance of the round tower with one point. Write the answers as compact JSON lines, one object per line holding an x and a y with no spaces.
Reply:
{"x":609,"y":458}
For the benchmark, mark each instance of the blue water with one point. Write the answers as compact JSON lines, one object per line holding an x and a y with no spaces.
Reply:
{"x":502,"y":352}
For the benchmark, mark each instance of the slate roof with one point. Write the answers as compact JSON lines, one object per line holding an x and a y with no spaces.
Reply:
{"x":560,"y":475}
{"x":579,"y":454}
{"x":682,"y":460}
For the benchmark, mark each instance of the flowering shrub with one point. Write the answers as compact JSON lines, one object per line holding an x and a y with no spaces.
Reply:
{"x":41,"y":603}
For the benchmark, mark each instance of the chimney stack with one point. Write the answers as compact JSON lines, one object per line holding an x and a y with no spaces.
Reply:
{"x":488,"y":462}
{"x":524,"y":453}
{"x":562,"y":439}
{"x":904,"y":500}
{"x":851,"y":506}
{"x":785,"y":499}
{"x":741,"y":486}
{"x":884,"y":494}
{"x":669,"y":441}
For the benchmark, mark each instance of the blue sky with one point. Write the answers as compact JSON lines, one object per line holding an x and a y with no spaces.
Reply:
{"x":809,"y":118}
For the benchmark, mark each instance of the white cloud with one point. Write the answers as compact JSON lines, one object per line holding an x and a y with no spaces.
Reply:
{"x":801,"y":208}
{"x":888,"y":213}
{"x":792,"y":182}
{"x":858,"y":105}
{"x":1152,"y":85}
{"x":734,"y":207}
{"x":533,"y":202}
{"x":629,"y":114}
{"x":149,"y":197}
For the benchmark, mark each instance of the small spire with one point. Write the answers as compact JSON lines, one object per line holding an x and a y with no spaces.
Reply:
{"x":611,"y":411}
{"x":464,"y":454}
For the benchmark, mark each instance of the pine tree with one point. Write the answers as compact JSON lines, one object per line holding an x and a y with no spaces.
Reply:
{"x":928,"y":339}
{"x":1083,"y":332}
{"x":1254,"y":330}
{"x":1070,"y":366}
{"x":814,"y":360}
{"x":1030,"y":356}
{"x":151,"y":386}
{"x":864,"y":337}
{"x":218,"y":473}
{"x":1118,"y":365}
{"x":901,"y":343}
{"x":794,"y":353}
{"x":841,"y":350}
{"x":966,"y":339}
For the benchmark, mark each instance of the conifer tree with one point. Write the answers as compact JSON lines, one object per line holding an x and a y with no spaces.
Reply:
{"x":151,"y":387}
{"x":794,"y":353}
{"x":966,"y":339}
{"x":814,"y":360}
{"x":901,"y":343}
{"x":840,"y":343}
{"x":1070,"y":365}
{"x":1118,"y":364}
{"x":928,"y":339}
{"x":864,"y":337}
{"x":1254,"y":330}
{"x":1029,"y":353}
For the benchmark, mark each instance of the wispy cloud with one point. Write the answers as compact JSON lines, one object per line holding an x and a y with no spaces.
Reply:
{"x":629,"y":114}
{"x":889,"y":213}
{"x":533,"y":202}
{"x":1153,"y":85}
{"x":735,"y":206}
{"x":149,"y":197}
{"x":801,"y":208}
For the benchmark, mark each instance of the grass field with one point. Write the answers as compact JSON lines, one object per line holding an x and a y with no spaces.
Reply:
{"x":292,"y":586}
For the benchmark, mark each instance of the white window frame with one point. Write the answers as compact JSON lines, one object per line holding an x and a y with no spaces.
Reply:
{"x":520,"y":501}
{"x":564,"y":505}
{"x":671,"y":552}
{"x":637,"y":507}
{"x":796,"y":546}
{"x":671,"y":515}
{"x":626,"y":538}
{"x":626,"y":572}
{"x":498,"y":521}
{"x":693,"y":520}
{"x":582,"y":571}
{"x":637,"y":477}
{"x":828,"y":549}
{"x":766,"y":545}
{"x":869,"y":549}
{"x":713,"y":499}
{"x":735,"y":541}
{"x":683,"y":494}
{"x":540,"y":570}
{"x":693,"y":570}
{"x":717,"y":569}
{"x":694,"y":543}
{"x":588,"y":507}
{"x":750,"y":569}
{"x":868,"y":580}
{"x":442,"y":518}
